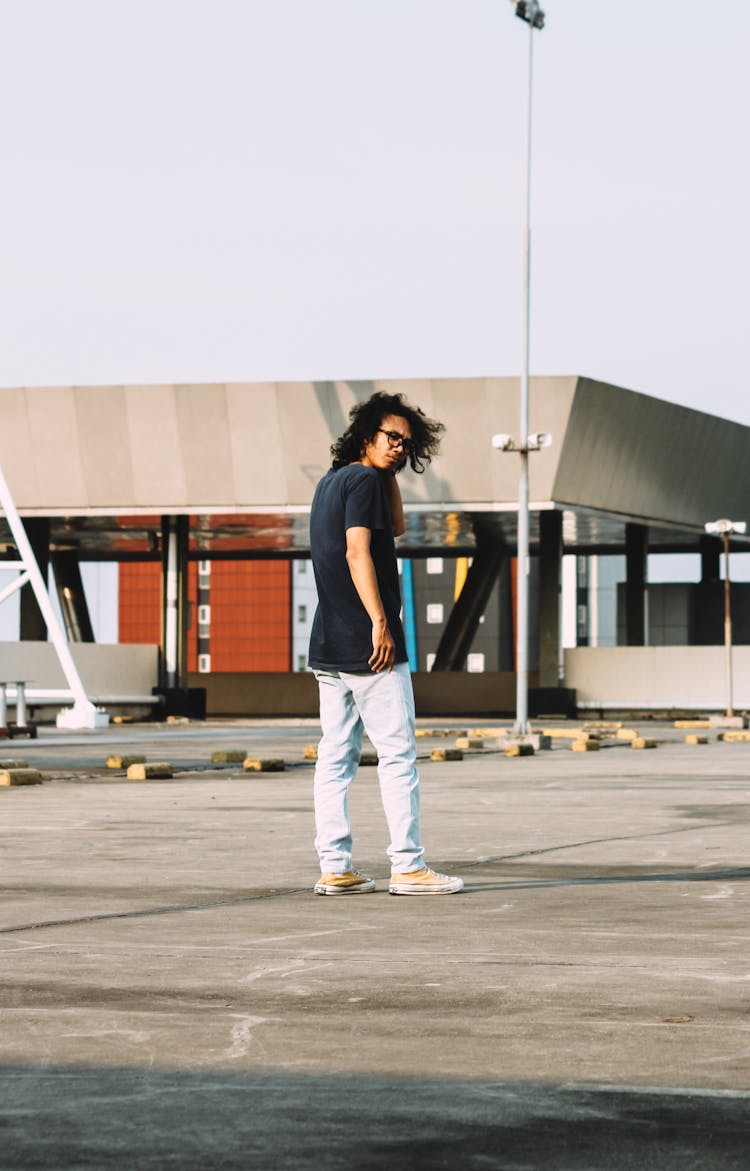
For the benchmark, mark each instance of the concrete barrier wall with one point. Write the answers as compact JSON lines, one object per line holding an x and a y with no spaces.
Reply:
{"x":106,"y":670}
{"x":128,"y":672}
{"x":688,"y":678}
{"x":664,"y":677}
{"x":296,"y":694}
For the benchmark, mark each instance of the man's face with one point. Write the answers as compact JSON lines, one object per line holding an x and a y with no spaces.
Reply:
{"x":387,"y":450}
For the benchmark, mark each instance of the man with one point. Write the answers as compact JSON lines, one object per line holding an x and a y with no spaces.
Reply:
{"x":357,"y":646}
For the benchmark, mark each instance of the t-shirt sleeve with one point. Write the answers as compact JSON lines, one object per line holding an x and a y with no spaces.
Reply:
{"x":364,"y":505}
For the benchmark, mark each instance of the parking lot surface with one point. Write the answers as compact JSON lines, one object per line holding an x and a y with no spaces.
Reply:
{"x":174,"y":995}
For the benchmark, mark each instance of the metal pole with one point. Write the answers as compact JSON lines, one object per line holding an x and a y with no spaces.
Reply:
{"x":21,"y":718}
{"x":171,"y":617}
{"x":522,"y":631}
{"x":728,"y":627}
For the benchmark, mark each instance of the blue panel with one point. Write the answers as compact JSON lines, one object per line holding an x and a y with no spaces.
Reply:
{"x":410,"y":619}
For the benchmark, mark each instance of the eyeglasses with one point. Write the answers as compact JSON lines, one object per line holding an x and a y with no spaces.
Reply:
{"x":396,"y":440}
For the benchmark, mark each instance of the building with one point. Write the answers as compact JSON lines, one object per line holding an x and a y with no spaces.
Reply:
{"x":209,"y":488}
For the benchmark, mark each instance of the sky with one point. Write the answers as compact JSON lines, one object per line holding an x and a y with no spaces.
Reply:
{"x":241,"y":190}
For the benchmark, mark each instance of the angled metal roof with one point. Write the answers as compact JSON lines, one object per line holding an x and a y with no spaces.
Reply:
{"x":242,"y":460}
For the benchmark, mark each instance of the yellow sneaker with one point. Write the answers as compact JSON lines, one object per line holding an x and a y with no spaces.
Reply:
{"x":351,"y":882}
{"x":424,"y":882}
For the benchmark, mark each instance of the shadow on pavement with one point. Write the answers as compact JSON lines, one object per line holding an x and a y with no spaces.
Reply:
{"x":56,"y":1118}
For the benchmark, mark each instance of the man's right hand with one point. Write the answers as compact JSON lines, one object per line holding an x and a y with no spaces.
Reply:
{"x":383,"y":648}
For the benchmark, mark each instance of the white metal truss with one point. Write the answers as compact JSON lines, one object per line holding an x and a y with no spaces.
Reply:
{"x":83,"y":713}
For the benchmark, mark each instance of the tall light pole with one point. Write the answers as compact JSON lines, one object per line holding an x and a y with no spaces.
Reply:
{"x":724,"y":528}
{"x":531,"y":13}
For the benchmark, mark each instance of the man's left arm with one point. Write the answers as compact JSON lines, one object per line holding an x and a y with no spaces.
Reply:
{"x":395,"y":503}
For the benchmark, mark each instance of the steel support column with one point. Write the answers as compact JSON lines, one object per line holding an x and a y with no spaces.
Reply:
{"x":710,"y":550}
{"x":550,"y":569}
{"x":706,"y":609}
{"x":33,"y":627}
{"x":471,"y":603}
{"x":174,"y":610}
{"x":636,"y":562}
{"x":72,"y":598}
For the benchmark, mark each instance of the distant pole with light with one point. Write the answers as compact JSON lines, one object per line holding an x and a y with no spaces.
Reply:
{"x":529,"y":11}
{"x":724,"y":528}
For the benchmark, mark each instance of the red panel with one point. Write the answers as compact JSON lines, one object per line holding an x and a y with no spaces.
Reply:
{"x":192,"y":633}
{"x":139,"y":593}
{"x":250,"y":612}
{"x":250,"y":615}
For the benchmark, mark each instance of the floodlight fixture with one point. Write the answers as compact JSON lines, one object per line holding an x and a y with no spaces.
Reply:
{"x":534,"y":442}
{"x":529,"y":11}
{"x":724,"y":527}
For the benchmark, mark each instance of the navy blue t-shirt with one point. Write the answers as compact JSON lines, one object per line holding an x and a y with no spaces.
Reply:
{"x":341,"y":638}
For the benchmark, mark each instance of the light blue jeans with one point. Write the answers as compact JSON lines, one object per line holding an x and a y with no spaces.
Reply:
{"x":383,"y":705}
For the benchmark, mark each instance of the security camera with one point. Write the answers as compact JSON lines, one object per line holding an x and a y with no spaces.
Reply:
{"x":504,"y":442}
{"x":538,"y":439}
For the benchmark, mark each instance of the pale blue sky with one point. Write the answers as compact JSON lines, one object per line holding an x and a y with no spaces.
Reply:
{"x":209,"y":190}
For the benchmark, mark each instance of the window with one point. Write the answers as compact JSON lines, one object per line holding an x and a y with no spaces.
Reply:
{"x":434,"y":565}
{"x":204,"y":615}
{"x":429,"y":660}
{"x":204,"y":664}
{"x":301,"y":662}
{"x":302,"y":613}
{"x":475,"y":662}
{"x":435,"y":612}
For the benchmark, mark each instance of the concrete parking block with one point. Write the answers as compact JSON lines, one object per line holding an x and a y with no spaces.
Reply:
{"x":228,"y":756}
{"x":310,"y":752}
{"x":19,"y":776}
{"x":692,"y":724}
{"x":585,"y":745}
{"x":425,"y":732}
{"x":734,"y":736}
{"x":518,"y":749}
{"x":694,"y":738}
{"x":124,"y":762}
{"x":642,"y":742}
{"x":627,"y":734}
{"x":150,"y":772}
{"x":470,"y":742}
{"x":368,"y":758}
{"x":446,"y":754}
{"x":11,"y":764}
{"x":566,"y":733}
{"x":267,"y":764}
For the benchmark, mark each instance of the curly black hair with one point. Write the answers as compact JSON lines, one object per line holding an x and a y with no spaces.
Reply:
{"x":364,"y":422}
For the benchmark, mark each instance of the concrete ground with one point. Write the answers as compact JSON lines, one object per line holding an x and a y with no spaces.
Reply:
{"x":173,"y":995}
